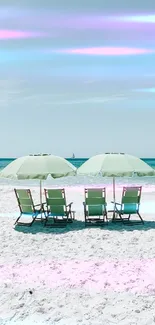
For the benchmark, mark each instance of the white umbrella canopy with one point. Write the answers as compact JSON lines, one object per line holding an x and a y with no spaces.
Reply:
{"x":38,"y":167}
{"x":115,"y":165}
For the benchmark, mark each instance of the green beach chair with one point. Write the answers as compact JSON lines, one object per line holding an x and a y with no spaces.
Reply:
{"x":95,"y":212}
{"x":27,"y":207}
{"x":58,"y":211}
{"x":129,"y":205}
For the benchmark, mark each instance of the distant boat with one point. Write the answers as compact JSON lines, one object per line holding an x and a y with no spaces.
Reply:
{"x":73,"y":156}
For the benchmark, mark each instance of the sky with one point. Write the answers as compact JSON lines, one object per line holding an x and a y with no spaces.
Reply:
{"x":77,"y":77}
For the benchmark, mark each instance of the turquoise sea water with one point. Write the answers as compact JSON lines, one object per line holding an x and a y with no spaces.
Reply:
{"x":77,"y":162}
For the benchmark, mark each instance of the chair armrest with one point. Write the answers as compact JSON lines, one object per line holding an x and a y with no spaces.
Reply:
{"x":36,"y":205}
{"x":69,"y":205}
{"x":116,"y":203}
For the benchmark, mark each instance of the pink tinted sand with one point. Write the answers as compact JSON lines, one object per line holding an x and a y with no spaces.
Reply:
{"x":137,"y":276}
{"x":77,"y":275}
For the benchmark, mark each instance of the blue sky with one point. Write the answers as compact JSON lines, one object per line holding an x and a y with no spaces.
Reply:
{"x":77,"y":77}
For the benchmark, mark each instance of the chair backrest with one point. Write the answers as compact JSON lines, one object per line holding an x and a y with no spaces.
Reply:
{"x":56,"y":201}
{"x":95,"y":200}
{"x":131,"y":198}
{"x":25,"y":201}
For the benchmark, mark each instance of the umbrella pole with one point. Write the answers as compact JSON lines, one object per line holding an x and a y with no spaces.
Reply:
{"x":41,"y":197}
{"x":40,"y":192}
{"x":114,"y":196}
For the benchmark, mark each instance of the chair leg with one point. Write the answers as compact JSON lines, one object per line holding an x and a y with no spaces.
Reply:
{"x":28,"y":224}
{"x":85,"y":217}
{"x":34,"y":218}
{"x":106,"y":217}
{"x":69,"y":219}
{"x":44,"y":212}
{"x":100,"y":221}
{"x":55,"y":224}
{"x":140,"y":217}
{"x":129,"y":222}
{"x":46,"y":219}
{"x":117,"y":217}
{"x":17,"y":219}
{"x":70,"y":216}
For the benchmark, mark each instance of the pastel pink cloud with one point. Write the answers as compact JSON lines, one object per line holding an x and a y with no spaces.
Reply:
{"x":112,"y":51}
{"x":16,"y":34}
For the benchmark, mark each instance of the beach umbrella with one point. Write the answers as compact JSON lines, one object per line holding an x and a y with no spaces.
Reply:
{"x":115,"y":165}
{"x":38,"y":167}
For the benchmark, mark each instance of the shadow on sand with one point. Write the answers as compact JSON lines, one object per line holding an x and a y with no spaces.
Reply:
{"x":38,"y":227}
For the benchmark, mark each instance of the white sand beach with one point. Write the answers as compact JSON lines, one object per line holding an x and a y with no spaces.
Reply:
{"x":77,"y":275}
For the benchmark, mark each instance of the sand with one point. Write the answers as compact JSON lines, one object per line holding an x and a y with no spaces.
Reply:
{"x":77,"y":276}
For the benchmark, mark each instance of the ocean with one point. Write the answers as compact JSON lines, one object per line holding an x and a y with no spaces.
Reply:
{"x":77,"y":162}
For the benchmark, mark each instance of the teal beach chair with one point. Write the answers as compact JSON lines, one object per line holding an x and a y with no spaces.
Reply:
{"x":27,"y":207}
{"x":95,"y":212}
{"x":129,"y":206}
{"x":58,"y":212}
